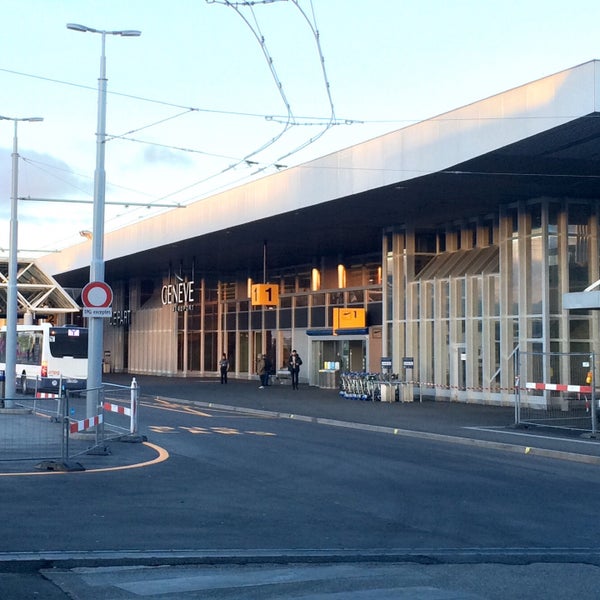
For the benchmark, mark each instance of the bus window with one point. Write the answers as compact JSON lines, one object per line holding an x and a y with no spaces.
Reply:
{"x":65,"y":341}
{"x":29,"y":347}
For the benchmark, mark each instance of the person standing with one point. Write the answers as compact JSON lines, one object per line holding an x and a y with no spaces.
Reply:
{"x":294,"y":363}
{"x":268,"y":368}
{"x":223,"y":368}
{"x":261,"y":369}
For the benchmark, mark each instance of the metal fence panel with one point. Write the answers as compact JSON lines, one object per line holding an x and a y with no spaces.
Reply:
{"x":556,"y":389}
{"x":28,"y":434}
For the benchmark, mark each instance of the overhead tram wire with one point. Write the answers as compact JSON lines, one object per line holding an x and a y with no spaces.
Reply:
{"x":287,"y":124}
{"x":290,"y":120}
{"x":332,"y":119}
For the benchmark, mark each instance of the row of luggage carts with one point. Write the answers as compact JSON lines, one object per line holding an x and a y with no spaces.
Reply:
{"x":366,"y":386}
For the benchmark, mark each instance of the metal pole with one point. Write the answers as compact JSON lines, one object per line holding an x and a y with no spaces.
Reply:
{"x":517,"y":370}
{"x":133,"y":421}
{"x":65,"y":427}
{"x":11,"y":288}
{"x":594,"y":410}
{"x":96,"y":324}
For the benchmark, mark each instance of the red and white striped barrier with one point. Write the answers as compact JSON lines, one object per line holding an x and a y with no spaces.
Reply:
{"x":85,"y":424}
{"x":560,"y":387}
{"x":46,"y":395}
{"x":116,"y":408}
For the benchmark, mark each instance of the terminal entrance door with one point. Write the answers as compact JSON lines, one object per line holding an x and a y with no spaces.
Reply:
{"x":345,"y":354}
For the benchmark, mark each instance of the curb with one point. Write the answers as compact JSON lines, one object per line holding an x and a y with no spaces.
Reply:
{"x":31,"y":561}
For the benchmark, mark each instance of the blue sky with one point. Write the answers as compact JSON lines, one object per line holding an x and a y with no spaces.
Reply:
{"x":193,"y":100}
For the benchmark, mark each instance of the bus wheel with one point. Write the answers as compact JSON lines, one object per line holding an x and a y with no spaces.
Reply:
{"x":24,"y":384}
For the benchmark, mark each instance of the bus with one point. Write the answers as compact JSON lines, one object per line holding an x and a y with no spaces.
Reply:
{"x":47,"y":356}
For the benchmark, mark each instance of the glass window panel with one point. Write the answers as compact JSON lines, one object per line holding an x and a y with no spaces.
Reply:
{"x":301,"y":317}
{"x":579,"y":329}
{"x":515,"y":278}
{"x":355,"y":297}
{"x":536,"y":274}
{"x":304,"y":281}
{"x":537,"y":328}
{"x":270,"y":318}
{"x":318,"y":299}
{"x":256,"y":319}
{"x":301,"y":300}
{"x":230,"y":321}
{"x":535,"y":213}
{"x":317,"y":316}
{"x":194,"y":351}
{"x":210,"y":351}
{"x":374,"y":296}
{"x":375,"y":314}
{"x":285,"y":318}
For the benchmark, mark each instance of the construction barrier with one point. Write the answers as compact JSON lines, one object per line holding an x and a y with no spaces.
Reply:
{"x":85,"y":424}
{"x":56,"y":428}
{"x":559,"y":391}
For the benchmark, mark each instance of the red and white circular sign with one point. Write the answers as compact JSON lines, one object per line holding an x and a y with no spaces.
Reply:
{"x":97,"y":294}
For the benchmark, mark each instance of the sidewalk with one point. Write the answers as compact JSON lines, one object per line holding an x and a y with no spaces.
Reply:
{"x":493,"y":426}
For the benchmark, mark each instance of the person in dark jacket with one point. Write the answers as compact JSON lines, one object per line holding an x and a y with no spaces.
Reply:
{"x":294,"y":363}
{"x":223,"y":368}
{"x":268,"y":369}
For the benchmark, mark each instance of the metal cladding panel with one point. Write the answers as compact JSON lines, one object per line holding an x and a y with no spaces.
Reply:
{"x":581,"y":300}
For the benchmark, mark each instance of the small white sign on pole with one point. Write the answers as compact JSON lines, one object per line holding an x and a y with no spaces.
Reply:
{"x":97,"y":312}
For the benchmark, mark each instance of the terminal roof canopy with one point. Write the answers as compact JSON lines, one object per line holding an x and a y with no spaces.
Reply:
{"x":541,"y":139}
{"x":37,"y":292}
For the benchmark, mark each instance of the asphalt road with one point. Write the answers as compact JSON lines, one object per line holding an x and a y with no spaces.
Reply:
{"x":311,"y":510}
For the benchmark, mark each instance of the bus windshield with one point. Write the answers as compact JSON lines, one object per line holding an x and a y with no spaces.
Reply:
{"x":66,"y":341}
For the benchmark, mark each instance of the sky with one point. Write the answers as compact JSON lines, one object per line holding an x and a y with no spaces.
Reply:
{"x":214,"y":94}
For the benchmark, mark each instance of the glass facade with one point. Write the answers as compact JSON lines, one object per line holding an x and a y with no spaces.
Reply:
{"x":487,"y":291}
{"x":222,"y":319}
{"x":459,"y":299}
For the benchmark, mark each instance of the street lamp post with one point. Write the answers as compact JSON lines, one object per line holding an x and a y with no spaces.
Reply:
{"x":96,"y":324}
{"x":11,"y":289}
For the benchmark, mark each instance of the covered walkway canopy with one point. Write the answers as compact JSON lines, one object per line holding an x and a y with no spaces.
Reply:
{"x":538,"y":140}
{"x":37,"y":293}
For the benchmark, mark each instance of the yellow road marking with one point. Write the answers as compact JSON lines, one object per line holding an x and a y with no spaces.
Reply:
{"x":162,"y":429}
{"x":162,"y":455}
{"x":195,"y":430}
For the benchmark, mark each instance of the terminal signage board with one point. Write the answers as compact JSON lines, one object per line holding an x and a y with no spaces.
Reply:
{"x":264,"y":294}
{"x":349,"y":318}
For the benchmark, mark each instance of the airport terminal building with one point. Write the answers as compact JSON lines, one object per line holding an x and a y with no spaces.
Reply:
{"x":444,"y":246}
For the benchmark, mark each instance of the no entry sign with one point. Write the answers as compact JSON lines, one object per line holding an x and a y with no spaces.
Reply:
{"x":97,"y":298}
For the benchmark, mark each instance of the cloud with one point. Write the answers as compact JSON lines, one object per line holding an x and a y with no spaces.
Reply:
{"x":155,"y":154}
{"x":40,"y":176}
